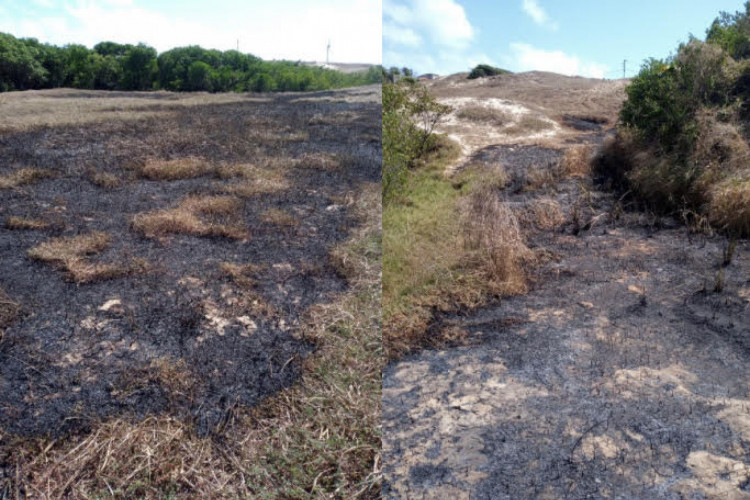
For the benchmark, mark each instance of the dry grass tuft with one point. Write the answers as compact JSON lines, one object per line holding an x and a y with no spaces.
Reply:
{"x":104,"y":180}
{"x":70,"y":254}
{"x":62,"y":249}
{"x":576,"y":162}
{"x":257,"y":181}
{"x":542,"y":213}
{"x":540,"y":177}
{"x":172,"y":170}
{"x":242,"y":274}
{"x":320,"y":161}
{"x":485,"y":114}
{"x":234,"y":270}
{"x":169,"y":373}
{"x":186,"y":218}
{"x":279,"y":218}
{"x":21,"y":223}
{"x":729,"y":208}
{"x":529,"y":124}
{"x":23,"y":176}
{"x":494,"y":243}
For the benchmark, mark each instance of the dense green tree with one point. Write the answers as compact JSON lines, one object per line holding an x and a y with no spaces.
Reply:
{"x":139,"y":68}
{"x":199,"y":76}
{"x":27,"y":64}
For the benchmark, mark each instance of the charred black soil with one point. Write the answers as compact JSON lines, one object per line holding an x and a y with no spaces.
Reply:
{"x":183,"y":332}
{"x":623,"y":373}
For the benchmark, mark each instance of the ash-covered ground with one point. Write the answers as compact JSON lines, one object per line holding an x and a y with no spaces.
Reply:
{"x":181,"y":335}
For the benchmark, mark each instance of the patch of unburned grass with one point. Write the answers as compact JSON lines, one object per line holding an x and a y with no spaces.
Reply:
{"x":191,"y":168}
{"x":172,"y":170}
{"x":493,"y":243}
{"x":255,"y":181}
{"x":196,"y":216}
{"x":430,"y":262}
{"x":22,"y":223}
{"x":320,"y":161}
{"x":529,"y":124}
{"x":317,"y":439}
{"x":70,"y":254}
{"x":485,"y":114}
{"x":23,"y":176}
{"x":729,"y":207}
{"x":104,"y":180}
{"x":543,"y":213}
{"x":576,"y":162}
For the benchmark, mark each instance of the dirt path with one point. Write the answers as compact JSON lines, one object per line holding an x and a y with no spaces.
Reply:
{"x":622,"y":374}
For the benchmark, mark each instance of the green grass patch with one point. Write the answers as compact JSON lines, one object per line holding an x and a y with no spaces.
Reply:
{"x":427,"y":264}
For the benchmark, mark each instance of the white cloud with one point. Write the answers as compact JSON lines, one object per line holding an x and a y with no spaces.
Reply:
{"x":285,"y":29}
{"x":443,"y":22}
{"x":400,"y":35}
{"x":440,"y":62}
{"x":538,"y":14}
{"x":527,"y":58}
{"x":430,"y":36}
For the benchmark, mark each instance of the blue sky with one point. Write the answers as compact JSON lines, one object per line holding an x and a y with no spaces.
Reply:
{"x":582,"y":37}
{"x":272,"y":29}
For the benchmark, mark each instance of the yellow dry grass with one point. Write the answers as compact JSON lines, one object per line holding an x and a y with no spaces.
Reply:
{"x":493,"y":242}
{"x":104,"y":180}
{"x":23,"y":176}
{"x":22,"y":223}
{"x":576,"y":162}
{"x":729,"y":208}
{"x":25,"y":110}
{"x":70,"y":255}
{"x":320,"y":161}
{"x":485,"y":114}
{"x":171,"y":170}
{"x":542,"y":213}
{"x":189,"y":217}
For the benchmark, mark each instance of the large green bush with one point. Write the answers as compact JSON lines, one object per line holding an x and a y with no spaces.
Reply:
{"x":682,"y":141}
{"x":483,"y":70}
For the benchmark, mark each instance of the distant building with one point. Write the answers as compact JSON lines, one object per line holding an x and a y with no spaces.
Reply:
{"x":428,"y":76}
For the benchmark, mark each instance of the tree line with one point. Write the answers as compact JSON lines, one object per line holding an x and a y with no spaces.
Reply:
{"x":26,"y":64}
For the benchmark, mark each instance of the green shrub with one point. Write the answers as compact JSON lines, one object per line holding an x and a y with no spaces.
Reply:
{"x":483,"y":70}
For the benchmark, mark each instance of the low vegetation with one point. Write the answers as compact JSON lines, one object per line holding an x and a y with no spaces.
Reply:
{"x":485,"y":114}
{"x":196,"y":216}
{"x":22,"y":223}
{"x":23,"y":176}
{"x":70,"y":255}
{"x":681,"y":146}
{"x":448,"y":242}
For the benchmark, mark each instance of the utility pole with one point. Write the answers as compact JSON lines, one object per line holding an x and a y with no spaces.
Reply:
{"x":238,"y":45}
{"x":328,"y":52}
{"x":624,"y":66}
